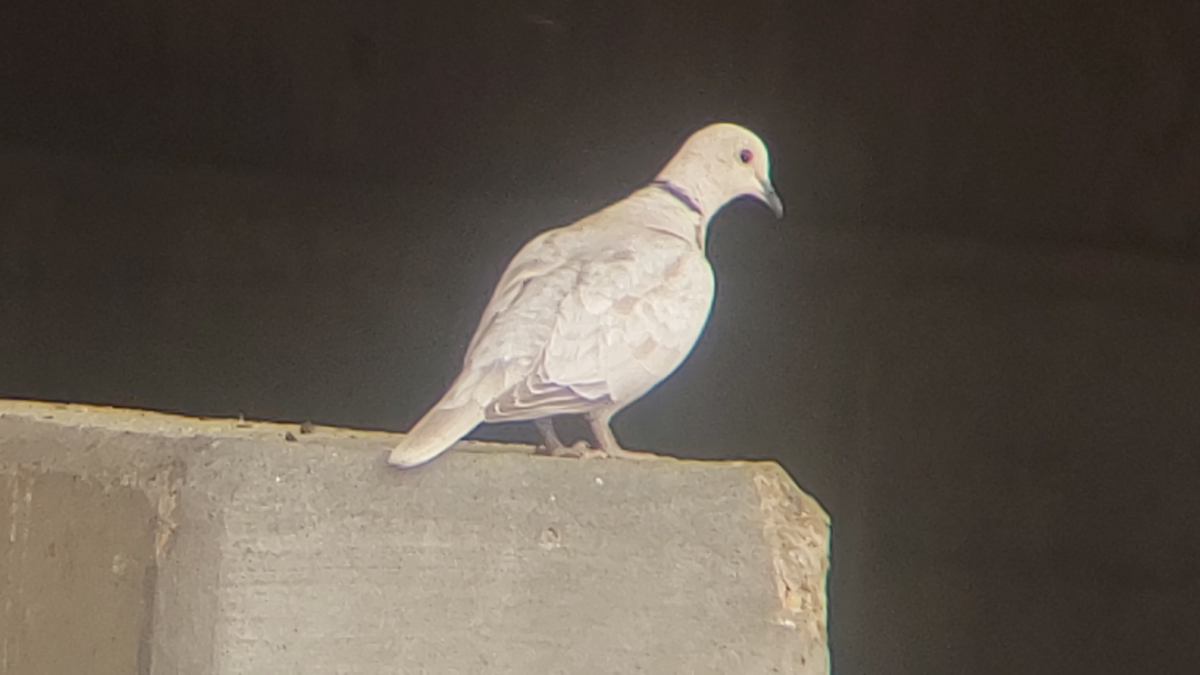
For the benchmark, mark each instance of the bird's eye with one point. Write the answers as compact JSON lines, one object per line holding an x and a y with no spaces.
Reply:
{"x":746,"y":156}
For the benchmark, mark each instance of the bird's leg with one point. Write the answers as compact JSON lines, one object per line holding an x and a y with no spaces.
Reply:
{"x":602,"y":430}
{"x":553,"y":446}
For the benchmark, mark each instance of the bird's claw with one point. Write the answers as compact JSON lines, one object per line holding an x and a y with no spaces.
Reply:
{"x":582,"y":450}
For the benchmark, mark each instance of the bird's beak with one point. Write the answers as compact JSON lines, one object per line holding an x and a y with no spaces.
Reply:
{"x":771,"y":198}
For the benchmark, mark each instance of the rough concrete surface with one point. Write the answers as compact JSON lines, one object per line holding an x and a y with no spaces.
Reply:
{"x":148,"y":543}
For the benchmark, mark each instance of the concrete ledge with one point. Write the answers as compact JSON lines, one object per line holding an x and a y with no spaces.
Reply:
{"x":145,"y":543}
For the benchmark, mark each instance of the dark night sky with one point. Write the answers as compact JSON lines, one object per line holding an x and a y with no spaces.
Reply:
{"x":974,"y":337}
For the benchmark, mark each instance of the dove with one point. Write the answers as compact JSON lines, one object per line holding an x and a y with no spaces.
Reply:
{"x":589,"y":317}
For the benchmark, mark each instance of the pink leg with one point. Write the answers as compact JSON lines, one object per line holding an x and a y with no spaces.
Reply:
{"x":609,"y":447}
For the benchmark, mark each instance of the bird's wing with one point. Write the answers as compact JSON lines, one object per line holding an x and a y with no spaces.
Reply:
{"x":518,"y":319}
{"x":631,"y":315}
{"x":542,"y":256}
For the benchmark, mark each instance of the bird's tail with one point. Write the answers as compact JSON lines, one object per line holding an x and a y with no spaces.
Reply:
{"x":439,"y":429}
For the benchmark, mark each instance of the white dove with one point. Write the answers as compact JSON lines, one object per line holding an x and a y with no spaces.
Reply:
{"x":589,"y":317}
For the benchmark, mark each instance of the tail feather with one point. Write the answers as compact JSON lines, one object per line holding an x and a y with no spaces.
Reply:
{"x":439,"y":429}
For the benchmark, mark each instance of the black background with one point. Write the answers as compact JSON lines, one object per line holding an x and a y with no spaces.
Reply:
{"x":975,"y":337}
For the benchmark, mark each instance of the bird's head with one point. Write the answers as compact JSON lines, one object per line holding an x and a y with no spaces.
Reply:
{"x":720,"y":163}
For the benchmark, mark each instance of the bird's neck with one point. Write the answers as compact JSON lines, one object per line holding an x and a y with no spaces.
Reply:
{"x":692,"y":226}
{"x":693,"y":180}
{"x":679,"y":193}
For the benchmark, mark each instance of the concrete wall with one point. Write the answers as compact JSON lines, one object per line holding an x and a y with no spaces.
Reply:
{"x":142,"y":543}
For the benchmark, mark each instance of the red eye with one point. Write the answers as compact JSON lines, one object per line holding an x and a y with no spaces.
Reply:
{"x":746,"y":156}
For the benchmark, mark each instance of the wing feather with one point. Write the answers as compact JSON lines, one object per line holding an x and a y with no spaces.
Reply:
{"x":586,"y":316}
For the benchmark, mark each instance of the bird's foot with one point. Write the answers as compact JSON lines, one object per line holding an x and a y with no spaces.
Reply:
{"x":550,"y":444}
{"x":556,"y":450}
{"x":553,"y":447}
{"x":581,"y":450}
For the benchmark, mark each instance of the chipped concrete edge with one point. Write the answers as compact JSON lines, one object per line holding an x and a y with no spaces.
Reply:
{"x":797,"y":531}
{"x":163,"y":491}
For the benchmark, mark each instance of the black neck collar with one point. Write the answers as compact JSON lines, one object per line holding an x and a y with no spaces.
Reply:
{"x":678,"y":193}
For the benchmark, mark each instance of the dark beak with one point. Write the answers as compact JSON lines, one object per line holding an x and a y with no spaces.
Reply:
{"x":771,"y":198}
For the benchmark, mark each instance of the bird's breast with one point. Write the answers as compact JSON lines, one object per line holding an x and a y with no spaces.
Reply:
{"x":652,"y":332}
